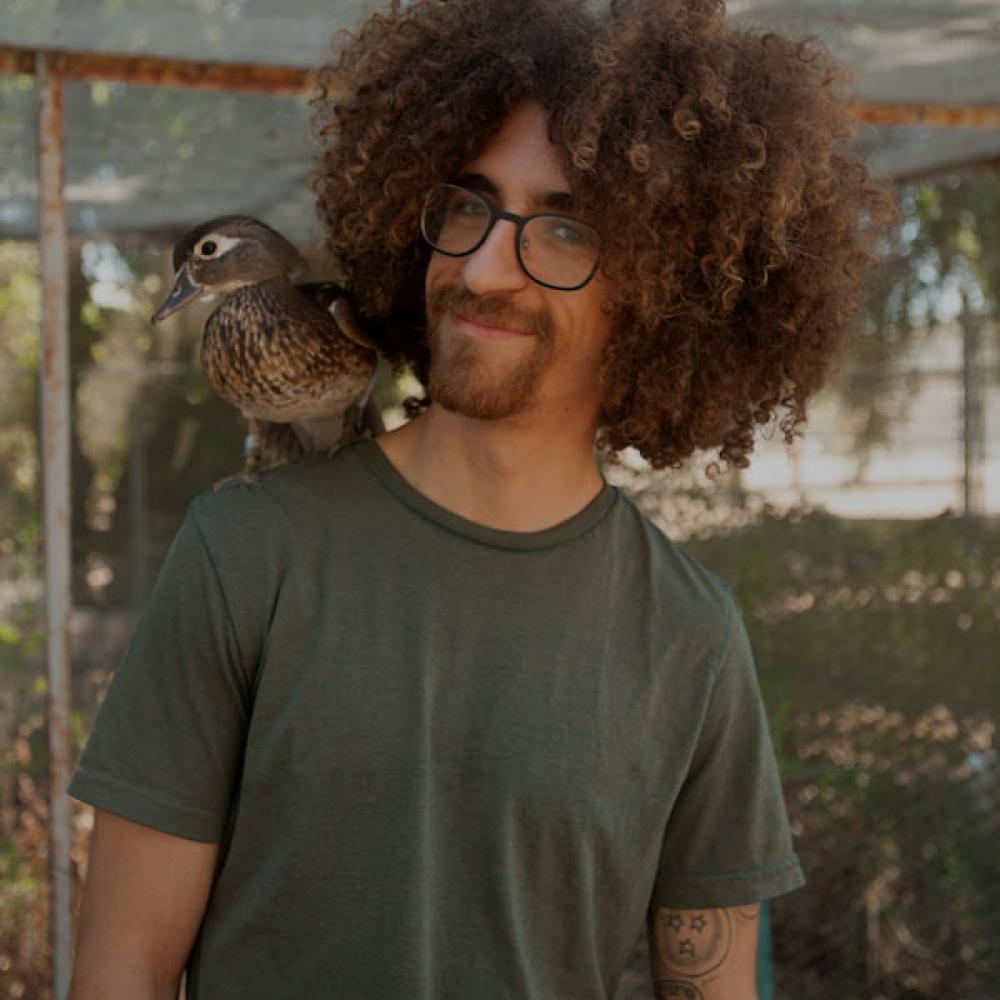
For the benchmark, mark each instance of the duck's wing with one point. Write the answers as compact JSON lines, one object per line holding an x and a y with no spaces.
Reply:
{"x":325,"y":294}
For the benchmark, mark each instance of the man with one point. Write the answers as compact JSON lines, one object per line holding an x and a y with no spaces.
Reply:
{"x":446,"y":716}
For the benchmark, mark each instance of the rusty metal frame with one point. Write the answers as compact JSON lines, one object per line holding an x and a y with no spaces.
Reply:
{"x":55,"y":421}
{"x":913,"y":114}
{"x":153,"y":71}
{"x":157,"y":71}
{"x":51,"y":68}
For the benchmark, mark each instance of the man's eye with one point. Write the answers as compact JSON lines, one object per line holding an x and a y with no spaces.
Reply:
{"x":467,"y":206}
{"x":561,"y":231}
{"x":567,"y":234}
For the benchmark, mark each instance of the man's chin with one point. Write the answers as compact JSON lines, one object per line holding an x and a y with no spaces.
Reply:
{"x":487,"y":403}
{"x":471,"y":392}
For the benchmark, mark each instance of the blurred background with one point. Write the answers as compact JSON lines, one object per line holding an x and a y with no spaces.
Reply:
{"x":866,"y":558}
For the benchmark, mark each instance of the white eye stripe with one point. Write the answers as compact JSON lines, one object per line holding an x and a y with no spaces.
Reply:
{"x":223,"y":244}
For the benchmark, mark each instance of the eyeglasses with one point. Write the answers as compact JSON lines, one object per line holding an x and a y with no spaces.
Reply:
{"x":555,"y":250}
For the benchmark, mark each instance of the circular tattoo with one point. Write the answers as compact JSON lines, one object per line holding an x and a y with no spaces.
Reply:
{"x":694,"y":942}
{"x":674,"y":988}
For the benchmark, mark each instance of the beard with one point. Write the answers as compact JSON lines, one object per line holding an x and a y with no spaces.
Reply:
{"x":479,"y":379}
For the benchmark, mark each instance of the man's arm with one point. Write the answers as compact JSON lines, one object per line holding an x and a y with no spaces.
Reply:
{"x":145,"y":895}
{"x":704,"y":954}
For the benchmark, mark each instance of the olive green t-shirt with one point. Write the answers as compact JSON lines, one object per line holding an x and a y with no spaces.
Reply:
{"x":442,"y":760}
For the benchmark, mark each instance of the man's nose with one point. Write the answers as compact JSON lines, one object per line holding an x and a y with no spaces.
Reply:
{"x":494,"y":266}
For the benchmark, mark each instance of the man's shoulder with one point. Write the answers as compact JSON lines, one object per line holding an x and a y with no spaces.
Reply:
{"x":675,"y":575}
{"x":305,"y":481}
{"x":283,"y":502}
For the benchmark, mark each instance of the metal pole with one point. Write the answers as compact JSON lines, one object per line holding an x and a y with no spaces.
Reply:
{"x":137,"y":483}
{"x":55,"y":414}
{"x":972,"y":423}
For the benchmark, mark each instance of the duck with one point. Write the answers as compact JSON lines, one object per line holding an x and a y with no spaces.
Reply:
{"x":291,"y":357}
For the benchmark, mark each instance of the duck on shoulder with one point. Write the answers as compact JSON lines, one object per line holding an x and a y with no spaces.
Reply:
{"x":301,"y":378}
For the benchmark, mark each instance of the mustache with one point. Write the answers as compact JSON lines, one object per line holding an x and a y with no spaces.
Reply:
{"x":495,"y":310}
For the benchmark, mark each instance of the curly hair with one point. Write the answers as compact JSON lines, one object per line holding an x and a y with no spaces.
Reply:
{"x":728,"y":150}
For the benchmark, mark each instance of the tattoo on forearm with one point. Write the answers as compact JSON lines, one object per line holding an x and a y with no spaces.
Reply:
{"x":674,"y":989}
{"x":693,"y":943}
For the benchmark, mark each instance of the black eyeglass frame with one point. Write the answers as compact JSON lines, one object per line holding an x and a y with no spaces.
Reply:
{"x":520,"y":221}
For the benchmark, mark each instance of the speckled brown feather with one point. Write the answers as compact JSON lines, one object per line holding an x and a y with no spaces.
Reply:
{"x":273,"y":350}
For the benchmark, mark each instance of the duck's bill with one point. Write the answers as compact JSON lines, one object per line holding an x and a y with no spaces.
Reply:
{"x":181,"y":294}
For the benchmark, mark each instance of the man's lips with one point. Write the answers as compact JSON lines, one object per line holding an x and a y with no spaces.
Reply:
{"x":480,"y":329}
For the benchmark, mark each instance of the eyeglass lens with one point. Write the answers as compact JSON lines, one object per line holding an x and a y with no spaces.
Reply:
{"x":554,"y":250}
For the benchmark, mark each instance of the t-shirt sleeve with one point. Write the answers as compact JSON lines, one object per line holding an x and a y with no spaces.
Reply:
{"x":167,"y":744}
{"x":728,"y":842}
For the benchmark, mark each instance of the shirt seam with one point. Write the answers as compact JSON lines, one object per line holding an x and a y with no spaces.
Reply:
{"x":400,"y":498}
{"x":286,"y":546}
{"x":226,"y":602}
{"x":545,"y":547}
{"x":91,"y":777}
{"x":774,"y":868}
{"x":729,"y":632}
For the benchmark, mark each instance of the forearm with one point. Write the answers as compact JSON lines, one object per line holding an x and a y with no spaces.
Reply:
{"x":704,"y":954}
{"x":114,"y":962}
{"x":113,"y":979}
{"x":693,"y":989}
{"x":143,"y":902}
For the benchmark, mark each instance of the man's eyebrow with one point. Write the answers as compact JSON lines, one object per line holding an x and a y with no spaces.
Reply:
{"x":556,"y":201}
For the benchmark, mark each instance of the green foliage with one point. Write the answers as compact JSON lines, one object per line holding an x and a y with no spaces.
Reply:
{"x":945,"y":248}
{"x":23,"y":810}
{"x":870,"y":609}
{"x":876,"y":645}
{"x":139,"y":409}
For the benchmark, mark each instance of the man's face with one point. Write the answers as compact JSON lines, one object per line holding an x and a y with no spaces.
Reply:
{"x":501,"y":344}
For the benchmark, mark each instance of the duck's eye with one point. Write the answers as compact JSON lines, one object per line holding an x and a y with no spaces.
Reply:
{"x":207,"y":248}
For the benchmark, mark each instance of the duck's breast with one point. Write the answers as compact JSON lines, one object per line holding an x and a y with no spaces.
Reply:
{"x":279,"y":356}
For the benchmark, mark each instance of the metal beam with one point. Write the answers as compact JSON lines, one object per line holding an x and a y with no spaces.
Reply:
{"x":928,"y":114}
{"x":55,"y":461}
{"x":198,"y":74}
{"x":154,"y":71}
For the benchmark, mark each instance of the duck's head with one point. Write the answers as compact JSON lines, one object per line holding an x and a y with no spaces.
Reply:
{"x":224,"y":254}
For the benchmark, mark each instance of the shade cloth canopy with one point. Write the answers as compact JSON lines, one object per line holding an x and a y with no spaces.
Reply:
{"x":150,"y":160}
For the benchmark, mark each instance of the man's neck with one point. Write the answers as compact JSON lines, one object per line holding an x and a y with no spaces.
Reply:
{"x":519,"y":474}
